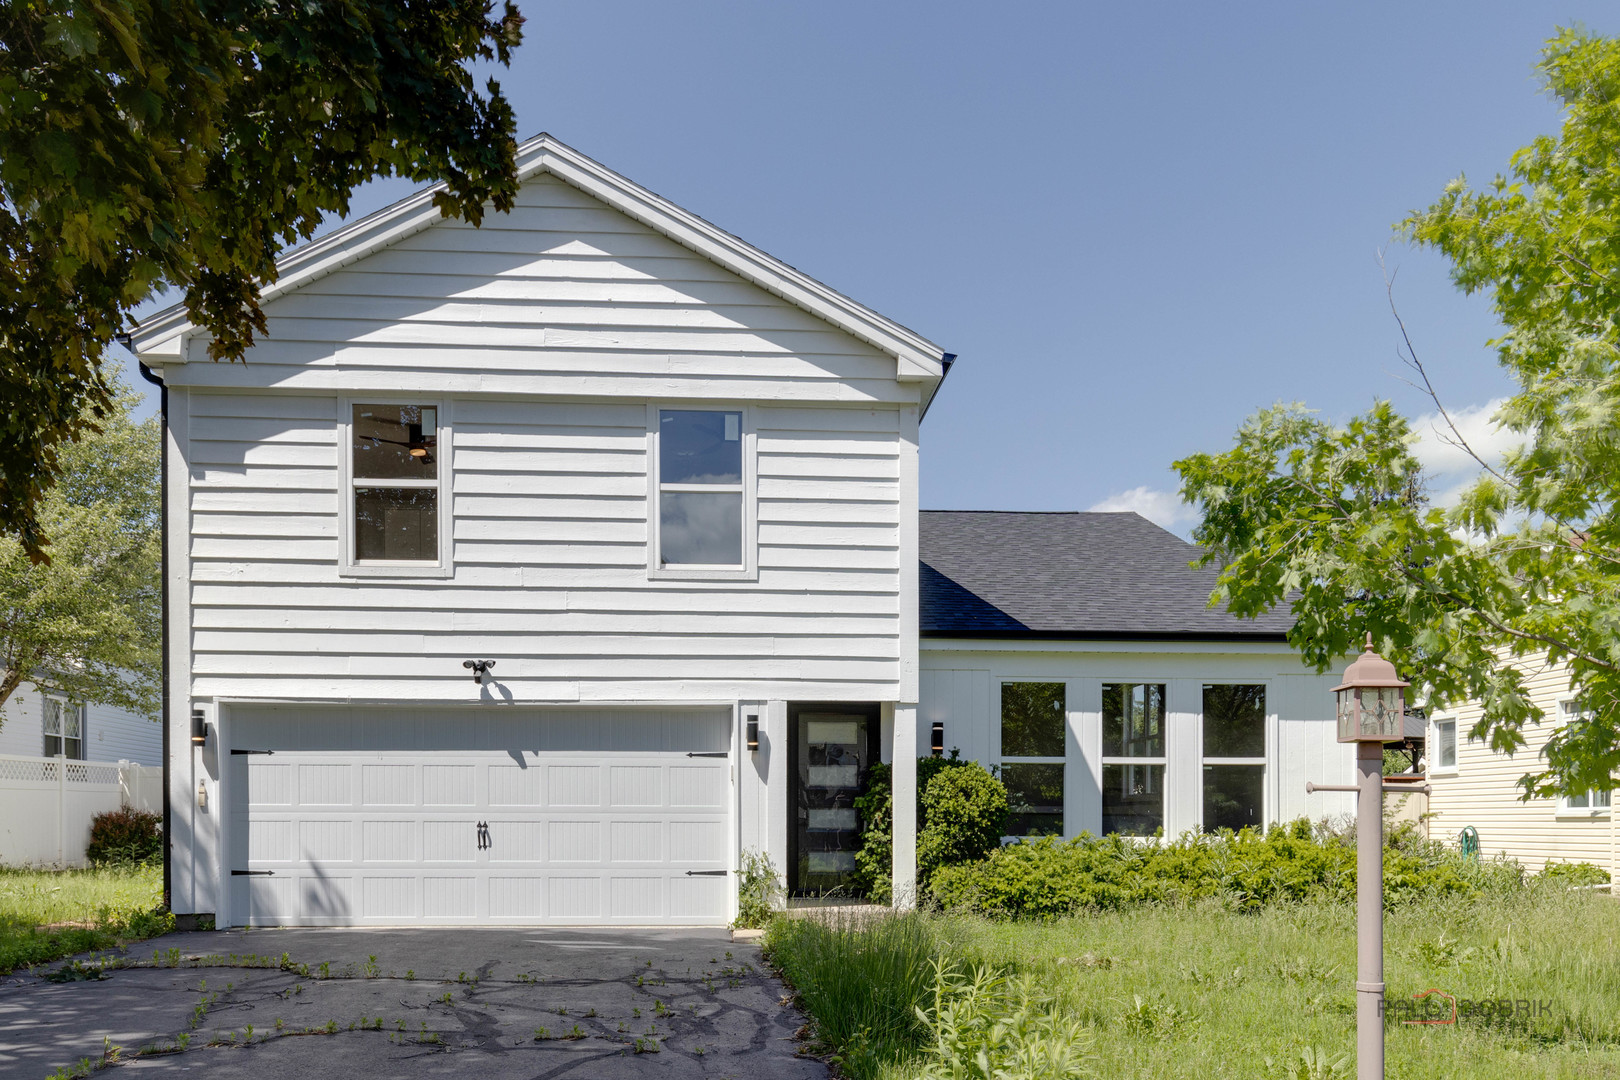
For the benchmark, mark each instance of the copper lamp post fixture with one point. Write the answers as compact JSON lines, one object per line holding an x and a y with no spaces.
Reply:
{"x":1371,"y":712}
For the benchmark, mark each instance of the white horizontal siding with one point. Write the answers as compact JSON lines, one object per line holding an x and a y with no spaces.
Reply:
{"x":549,"y":521}
{"x":114,"y":734}
{"x":1484,"y":791}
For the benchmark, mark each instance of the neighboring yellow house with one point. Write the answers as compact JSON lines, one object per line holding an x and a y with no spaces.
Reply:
{"x":1473,"y":785}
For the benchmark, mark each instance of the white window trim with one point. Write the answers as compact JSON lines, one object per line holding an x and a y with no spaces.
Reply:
{"x":67,"y":705}
{"x":749,"y":570}
{"x":348,"y":566}
{"x":1431,"y":747}
{"x":1104,"y":759}
{"x":1069,"y":747}
{"x":1562,"y":810}
{"x":1264,"y":760}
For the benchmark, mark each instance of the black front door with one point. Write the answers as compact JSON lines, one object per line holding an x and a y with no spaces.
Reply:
{"x":833,"y":747}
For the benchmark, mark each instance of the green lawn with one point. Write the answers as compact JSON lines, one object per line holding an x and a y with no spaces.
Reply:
{"x":1213,"y":993}
{"x":113,"y":904}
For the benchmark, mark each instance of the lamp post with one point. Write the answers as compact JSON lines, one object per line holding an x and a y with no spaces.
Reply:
{"x":1371,"y":712}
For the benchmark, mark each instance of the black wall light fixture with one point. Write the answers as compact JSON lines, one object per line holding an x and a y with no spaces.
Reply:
{"x":936,"y":739}
{"x":753,"y":732}
{"x":479,"y":668}
{"x":199,"y":728}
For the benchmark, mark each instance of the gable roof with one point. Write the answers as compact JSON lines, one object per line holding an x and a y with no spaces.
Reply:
{"x":159,"y":337}
{"x":993,"y":574}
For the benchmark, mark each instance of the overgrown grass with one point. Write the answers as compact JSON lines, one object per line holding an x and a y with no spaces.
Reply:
{"x":49,"y":914}
{"x":1213,"y":991}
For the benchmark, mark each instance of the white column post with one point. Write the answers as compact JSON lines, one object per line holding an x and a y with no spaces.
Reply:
{"x":904,"y":786}
{"x":778,"y":786}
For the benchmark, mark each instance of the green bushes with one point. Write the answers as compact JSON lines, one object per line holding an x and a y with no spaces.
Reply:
{"x":1047,"y":878}
{"x":759,"y":890}
{"x":969,"y":799}
{"x":125,"y":838}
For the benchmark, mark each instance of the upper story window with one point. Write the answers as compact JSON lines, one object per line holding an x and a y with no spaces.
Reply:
{"x":1133,"y":722}
{"x":702,"y":497}
{"x":64,"y":729}
{"x":1034,"y":738}
{"x":396,"y":473}
{"x":1596,"y":801}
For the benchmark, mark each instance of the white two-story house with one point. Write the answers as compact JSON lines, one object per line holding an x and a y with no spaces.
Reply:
{"x":522,"y":574}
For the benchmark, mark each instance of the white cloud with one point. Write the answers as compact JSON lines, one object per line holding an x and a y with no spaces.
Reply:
{"x":1164,"y":508}
{"x":1449,"y":466}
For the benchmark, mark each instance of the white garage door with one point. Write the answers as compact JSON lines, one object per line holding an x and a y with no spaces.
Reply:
{"x":378,"y":816}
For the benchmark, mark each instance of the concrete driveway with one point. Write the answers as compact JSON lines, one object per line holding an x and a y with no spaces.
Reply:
{"x":407,"y":1003}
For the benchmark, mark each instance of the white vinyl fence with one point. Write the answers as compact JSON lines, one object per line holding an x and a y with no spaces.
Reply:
{"x":46,"y":804}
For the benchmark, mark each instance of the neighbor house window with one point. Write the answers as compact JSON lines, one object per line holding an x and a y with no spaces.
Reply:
{"x":1445,"y":743}
{"x":1234,"y":756}
{"x":396,"y":475}
{"x":1595,"y":801}
{"x":1133,"y":718}
{"x":1033,"y":740}
{"x":64,"y":729}
{"x":701,"y":507}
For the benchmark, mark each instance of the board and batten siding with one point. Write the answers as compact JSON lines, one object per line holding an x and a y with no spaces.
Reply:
{"x":547,"y":333}
{"x":1483,"y":790}
{"x":960,"y":686}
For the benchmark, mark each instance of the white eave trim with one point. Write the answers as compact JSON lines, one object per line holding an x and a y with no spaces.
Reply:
{"x":918,"y":359}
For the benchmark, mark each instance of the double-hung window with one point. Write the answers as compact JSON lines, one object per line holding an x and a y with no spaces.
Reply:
{"x":701,"y":510}
{"x":64,"y":729}
{"x":1443,"y":754}
{"x":1596,"y":801}
{"x":1234,"y":756}
{"x":1034,"y":723}
{"x":396,"y":475}
{"x":1133,"y":719}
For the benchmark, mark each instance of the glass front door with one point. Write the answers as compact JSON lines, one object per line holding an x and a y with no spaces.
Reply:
{"x":834,"y":748}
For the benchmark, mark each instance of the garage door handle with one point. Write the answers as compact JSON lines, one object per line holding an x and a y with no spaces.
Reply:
{"x":706,"y":873}
{"x":252,"y":751}
{"x":253,"y":873}
{"x":708,"y":753}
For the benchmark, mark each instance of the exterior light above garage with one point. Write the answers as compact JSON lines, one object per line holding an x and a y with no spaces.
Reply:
{"x":936,"y":740}
{"x":1371,"y":701}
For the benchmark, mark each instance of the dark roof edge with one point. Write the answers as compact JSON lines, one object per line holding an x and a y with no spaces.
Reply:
{"x":1101,"y":635}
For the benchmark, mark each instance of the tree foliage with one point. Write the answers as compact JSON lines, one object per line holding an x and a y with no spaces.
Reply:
{"x":87,"y":623}
{"x":1525,"y":569}
{"x":147,"y":144}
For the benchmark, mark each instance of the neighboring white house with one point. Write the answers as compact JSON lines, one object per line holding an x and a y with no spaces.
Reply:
{"x":1078,"y":653}
{"x":667,"y":487}
{"x":39,"y":723}
{"x":1474,"y":785}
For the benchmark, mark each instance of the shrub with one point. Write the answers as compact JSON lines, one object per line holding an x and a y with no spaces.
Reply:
{"x":759,"y":890}
{"x":1573,"y":874}
{"x":964,"y":817}
{"x":874,"y":862}
{"x":125,"y":837}
{"x":1047,"y":878}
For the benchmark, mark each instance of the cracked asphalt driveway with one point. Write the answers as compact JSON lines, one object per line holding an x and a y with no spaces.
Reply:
{"x":496,"y":1003}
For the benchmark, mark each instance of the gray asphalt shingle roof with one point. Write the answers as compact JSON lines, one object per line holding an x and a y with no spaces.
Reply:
{"x":1069,"y":575}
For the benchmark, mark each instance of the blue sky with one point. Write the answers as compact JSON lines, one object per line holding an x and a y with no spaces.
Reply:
{"x":1134,"y":223}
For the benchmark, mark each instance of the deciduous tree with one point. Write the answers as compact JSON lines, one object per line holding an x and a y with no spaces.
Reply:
{"x":184,"y":143}
{"x":1336,"y":522}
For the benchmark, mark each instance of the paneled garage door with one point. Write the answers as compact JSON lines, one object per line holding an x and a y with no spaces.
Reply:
{"x":381,"y":816}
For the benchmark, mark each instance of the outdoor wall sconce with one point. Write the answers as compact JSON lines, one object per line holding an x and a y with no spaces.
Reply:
{"x":199,"y":728}
{"x":479,"y":668}
{"x":753,"y":733}
{"x":936,"y":739}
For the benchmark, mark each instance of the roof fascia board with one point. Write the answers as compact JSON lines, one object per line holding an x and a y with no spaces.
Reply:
{"x":917,"y":358}
{"x":1105,"y":635}
{"x":1103,"y":645}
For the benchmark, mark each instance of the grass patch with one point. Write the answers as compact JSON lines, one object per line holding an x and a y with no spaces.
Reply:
{"x":1209,"y":989}
{"x":48,"y":914}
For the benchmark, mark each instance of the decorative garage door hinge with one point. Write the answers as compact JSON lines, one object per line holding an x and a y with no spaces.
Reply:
{"x":253,"y":873}
{"x":707,"y":873}
{"x":708,"y":753}
{"x":235,"y":751}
